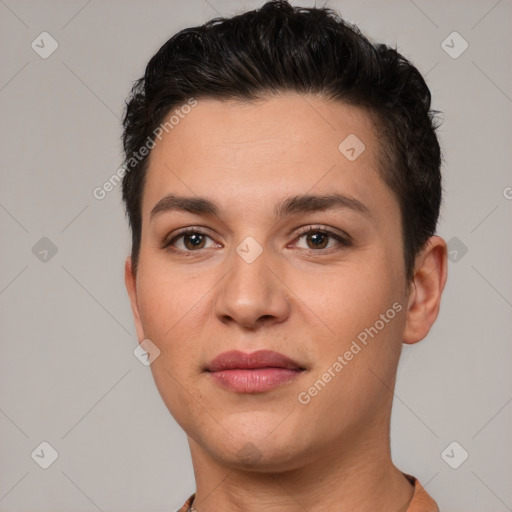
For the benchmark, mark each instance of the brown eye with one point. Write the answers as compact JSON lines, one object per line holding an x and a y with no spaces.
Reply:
{"x":318,"y":239}
{"x":193,"y":241}
{"x":189,"y":240}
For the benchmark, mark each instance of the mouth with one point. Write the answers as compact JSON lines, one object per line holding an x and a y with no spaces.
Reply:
{"x":255,"y":372}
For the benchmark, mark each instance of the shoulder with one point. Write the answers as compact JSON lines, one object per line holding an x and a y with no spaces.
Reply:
{"x":187,"y":504}
{"x":421,"y":500}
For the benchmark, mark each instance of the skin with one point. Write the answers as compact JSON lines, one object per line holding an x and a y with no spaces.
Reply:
{"x":305,"y":302}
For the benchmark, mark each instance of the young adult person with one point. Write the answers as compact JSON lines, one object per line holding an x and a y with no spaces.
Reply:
{"x":283,"y":188}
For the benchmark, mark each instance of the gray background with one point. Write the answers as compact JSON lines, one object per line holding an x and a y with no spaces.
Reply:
{"x":68,"y":374}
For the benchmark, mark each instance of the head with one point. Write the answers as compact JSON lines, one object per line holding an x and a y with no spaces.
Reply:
{"x":258,"y":129}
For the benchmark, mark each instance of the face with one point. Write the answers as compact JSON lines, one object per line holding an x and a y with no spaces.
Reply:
{"x":248,"y":276}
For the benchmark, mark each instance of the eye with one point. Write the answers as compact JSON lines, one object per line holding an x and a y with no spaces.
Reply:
{"x":317,"y":238}
{"x":192,"y":240}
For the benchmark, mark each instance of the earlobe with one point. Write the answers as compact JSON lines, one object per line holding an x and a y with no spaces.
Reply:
{"x":131,"y":288}
{"x":430,"y":276}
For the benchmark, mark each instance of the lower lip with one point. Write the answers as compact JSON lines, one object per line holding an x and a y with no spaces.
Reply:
{"x":254,"y":381}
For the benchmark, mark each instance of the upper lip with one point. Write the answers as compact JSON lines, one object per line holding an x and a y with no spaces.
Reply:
{"x":235,"y":359}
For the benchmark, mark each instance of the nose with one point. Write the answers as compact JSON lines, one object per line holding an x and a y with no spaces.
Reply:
{"x":253,"y":293}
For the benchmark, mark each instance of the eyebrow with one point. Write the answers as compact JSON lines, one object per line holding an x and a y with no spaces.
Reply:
{"x":306,"y":203}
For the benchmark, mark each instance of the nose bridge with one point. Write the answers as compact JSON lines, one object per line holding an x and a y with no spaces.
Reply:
{"x":250,"y":290}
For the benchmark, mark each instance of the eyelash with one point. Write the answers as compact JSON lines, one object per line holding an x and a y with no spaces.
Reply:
{"x":343,"y":241}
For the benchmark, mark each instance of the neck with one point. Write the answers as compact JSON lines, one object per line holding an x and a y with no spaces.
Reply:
{"x":358,"y":476}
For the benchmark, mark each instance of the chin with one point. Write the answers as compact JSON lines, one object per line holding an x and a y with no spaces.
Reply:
{"x":257,"y":453}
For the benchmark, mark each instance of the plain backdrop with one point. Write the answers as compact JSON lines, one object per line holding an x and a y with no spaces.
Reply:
{"x":68,"y":375}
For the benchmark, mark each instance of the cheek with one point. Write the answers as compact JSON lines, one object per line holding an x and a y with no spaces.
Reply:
{"x":167,"y":300}
{"x":172,"y":308}
{"x":356,"y":367}
{"x":364,"y":309}
{"x":349,"y":298}
{"x":168,"y":308}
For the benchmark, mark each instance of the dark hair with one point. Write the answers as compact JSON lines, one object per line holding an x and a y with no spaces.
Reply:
{"x":280,"y":48}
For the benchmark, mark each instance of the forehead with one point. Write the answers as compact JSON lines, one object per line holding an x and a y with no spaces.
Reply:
{"x":249,"y":155}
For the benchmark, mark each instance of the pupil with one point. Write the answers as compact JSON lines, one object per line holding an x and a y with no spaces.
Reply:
{"x":195,"y":240}
{"x":318,"y":239}
{"x":322,"y":236}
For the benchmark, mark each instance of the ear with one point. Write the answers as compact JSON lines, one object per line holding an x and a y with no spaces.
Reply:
{"x":131,"y":287}
{"x":426,"y":288}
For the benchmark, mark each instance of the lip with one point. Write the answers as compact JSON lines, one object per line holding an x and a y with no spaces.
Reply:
{"x":255,"y":372}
